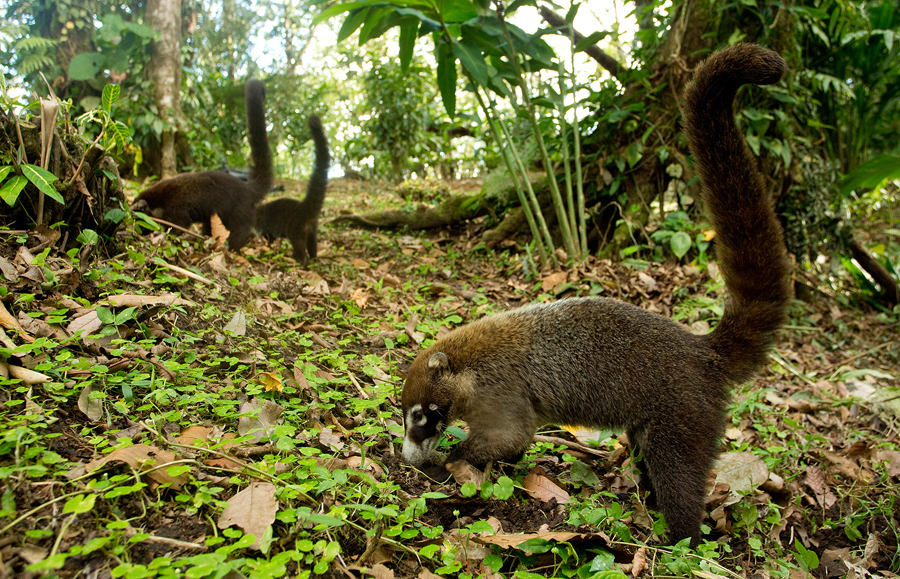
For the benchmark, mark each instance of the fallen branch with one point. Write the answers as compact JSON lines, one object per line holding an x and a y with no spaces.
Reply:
{"x":568,"y":443}
{"x":606,"y":61}
{"x":185,"y":272}
{"x":890,"y":291}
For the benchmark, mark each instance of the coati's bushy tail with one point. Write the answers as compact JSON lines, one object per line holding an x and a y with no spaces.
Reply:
{"x":749,"y":241}
{"x":261,"y":176}
{"x":318,"y":181}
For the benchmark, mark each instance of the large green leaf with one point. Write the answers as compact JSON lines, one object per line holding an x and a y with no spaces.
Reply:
{"x":112,"y":27}
{"x":43,"y":180}
{"x":470,"y":56}
{"x":408,"y":35}
{"x":352,"y":22}
{"x":457,"y":11}
{"x":871,"y":173}
{"x":488,"y":43}
{"x":680,"y":243}
{"x":378,"y":21}
{"x":120,"y":133}
{"x":110,"y":96}
{"x":86,"y":65}
{"x":591,"y":40}
{"x":141,"y":30}
{"x":446,"y":76}
{"x":634,"y":153}
{"x":428,"y":24}
{"x":11,"y":189}
{"x":338,"y":9}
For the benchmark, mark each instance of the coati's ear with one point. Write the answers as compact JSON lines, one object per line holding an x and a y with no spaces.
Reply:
{"x":439,"y":362}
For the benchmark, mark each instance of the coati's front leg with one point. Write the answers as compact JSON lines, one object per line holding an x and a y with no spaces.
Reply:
{"x":503,"y":441}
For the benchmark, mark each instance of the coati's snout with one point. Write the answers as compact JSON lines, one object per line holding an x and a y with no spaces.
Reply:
{"x":424,"y":427}
{"x":426,"y":410}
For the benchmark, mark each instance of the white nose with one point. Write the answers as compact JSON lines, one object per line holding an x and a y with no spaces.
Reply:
{"x":413,"y":453}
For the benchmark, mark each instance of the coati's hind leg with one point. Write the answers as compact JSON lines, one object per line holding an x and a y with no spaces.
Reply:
{"x":637,"y":440}
{"x":238,"y":236}
{"x":677,"y":462}
{"x":312,"y":229}
{"x":300,"y":253}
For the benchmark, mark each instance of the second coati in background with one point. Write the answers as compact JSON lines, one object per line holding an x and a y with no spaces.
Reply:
{"x":299,"y":220}
{"x":602,"y":362}
{"x":192,"y":197}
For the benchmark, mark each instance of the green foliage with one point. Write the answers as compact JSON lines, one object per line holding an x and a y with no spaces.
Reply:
{"x":871,"y":174}
{"x":40,"y":178}
{"x":398,"y":121}
{"x":114,"y":134}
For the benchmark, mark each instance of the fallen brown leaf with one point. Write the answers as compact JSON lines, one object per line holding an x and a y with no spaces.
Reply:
{"x":639,"y":562}
{"x":553,"y":280}
{"x":271,"y":381}
{"x":135,"y":300}
{"x":379,"y":571}
{"x":891,"y":458}
{"x":253,"y":510}
{"x":742,"y":472}
{"x":28,"y":377}
{"x":87,"y":324}
{"x":219,"y":232}
{"x":91,"y":408}
{"x":544,"y":489}
{"x":143,"y":458}
{"x":10,"y":323}
{"x":815,"y":480}
{"x":268,"y":415}
{"x":194,"y":434}
{"x":463,"y":473}
{"x":507,"y":541}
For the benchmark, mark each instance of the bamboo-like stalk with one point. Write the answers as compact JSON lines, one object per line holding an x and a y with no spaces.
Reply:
{"x":531,"y":194}
{"x":502,"y":135}
{"x":555,"y":194}
{"x":563,"y":130}
{"x":576,"y":132}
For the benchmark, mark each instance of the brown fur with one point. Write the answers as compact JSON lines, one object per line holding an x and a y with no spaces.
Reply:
{"x":299,"y":220}
{"x":192,"y":197}
{"x":601,"y":362}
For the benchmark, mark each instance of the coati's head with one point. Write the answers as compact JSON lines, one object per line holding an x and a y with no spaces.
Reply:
{"x":428,"y":400}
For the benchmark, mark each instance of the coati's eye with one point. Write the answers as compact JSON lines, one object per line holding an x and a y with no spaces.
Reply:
{"x":417,"y":416}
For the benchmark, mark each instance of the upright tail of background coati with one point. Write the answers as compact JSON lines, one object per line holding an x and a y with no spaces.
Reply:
{"x":299,"y":220}
{"x":192,"y":197}
{"x":602,"y":362}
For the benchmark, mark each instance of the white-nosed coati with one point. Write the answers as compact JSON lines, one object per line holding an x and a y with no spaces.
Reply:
{"x":192,"y":197}
{"x":299,"y":220}
{"x":595,"y":361}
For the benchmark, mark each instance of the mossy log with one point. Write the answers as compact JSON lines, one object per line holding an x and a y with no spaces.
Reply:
{"x":453,"y":210}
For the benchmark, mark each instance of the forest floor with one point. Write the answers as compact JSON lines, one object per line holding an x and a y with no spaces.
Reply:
{"x":237,"y":416}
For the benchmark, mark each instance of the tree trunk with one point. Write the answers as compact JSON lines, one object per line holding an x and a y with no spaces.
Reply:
{"x":164,"y":73}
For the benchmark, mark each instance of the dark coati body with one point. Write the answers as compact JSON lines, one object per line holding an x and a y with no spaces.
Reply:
{"x":192,"y":197}
{"x":601,"y":362}
{"x":299,"y":220}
